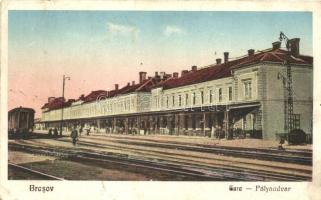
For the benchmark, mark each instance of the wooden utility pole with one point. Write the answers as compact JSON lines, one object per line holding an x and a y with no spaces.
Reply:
{"x":63,"y":101}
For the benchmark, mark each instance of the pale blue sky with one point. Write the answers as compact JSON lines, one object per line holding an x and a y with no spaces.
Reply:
{"x":198,"y":30}
{"x":100,"y":48}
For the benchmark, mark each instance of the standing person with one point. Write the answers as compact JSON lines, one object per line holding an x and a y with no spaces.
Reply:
{"x":217,"y":132}
{"x":88,"y":130}
{"x":50,"y":132}
{"x":213,"y":131}
{"x":55,"y":131}
{"x":74,"y":136}
{"x":282,"y":141}
{"x":80,"y":130}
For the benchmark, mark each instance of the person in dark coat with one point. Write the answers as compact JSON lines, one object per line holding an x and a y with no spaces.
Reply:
{"x":282,"y":141}
{"x":55,"y":131}
{"x":74,"y":136}
{"x":80,"y":130}
{"x":50,"y":132}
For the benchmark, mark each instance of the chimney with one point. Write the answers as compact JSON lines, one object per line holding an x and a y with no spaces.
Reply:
{"x":142,"y":76}
{"x":226,"y":57}
{"x":276,"y":45}
{"x":128,"y":84}
{"x":218,"y":61}
{"x":156,"y":74}
{"x":175,"y":74}
{"x":194,"y":68}
{"x":162,"y":75}
{"x":133,"y":82}
{"x":295,"y":46}
{"x":116,"y":87}
{"x":82,"y":97}
{"x":250,"y":52}
{"x":184,"y":72}
{"x":50,"y":99}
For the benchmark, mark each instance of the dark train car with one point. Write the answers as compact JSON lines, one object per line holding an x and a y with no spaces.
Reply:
{"x":21,"y":121}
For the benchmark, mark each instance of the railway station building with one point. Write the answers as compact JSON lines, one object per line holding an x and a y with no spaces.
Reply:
{"x":246,"y":96}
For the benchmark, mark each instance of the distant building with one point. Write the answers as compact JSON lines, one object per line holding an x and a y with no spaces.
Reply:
{"x":245,"y":94}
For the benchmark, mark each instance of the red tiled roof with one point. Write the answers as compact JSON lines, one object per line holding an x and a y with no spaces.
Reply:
{"x":140,"y":87}
{"x":275,"y":56}
{"x":223,"y":70}
{"x":211,"y":72}
{"x":45,"y":106}
{"x":57,"y":103}
{"x":145,"y":86}
{"x":94,"y":95}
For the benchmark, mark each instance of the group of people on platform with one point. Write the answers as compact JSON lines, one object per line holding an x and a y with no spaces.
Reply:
{"x":76,"y":131}
{"x":220,"y":132}
{"x":217,"y":132}
{"x":53,"y":131}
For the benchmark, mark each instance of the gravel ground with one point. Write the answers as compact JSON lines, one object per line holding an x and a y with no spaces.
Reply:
{"x":73,"y":170}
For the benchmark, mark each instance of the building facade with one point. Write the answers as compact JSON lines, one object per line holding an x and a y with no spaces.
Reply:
{"x":246,"y":96}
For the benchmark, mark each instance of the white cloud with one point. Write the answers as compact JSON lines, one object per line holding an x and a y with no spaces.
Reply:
{"x":171,"y":30}
{"x":123,"y":30}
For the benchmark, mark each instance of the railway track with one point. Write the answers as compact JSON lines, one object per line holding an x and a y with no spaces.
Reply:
{"x":80,"y":156}
{"x":33,"y":173}
{"x":288,"y":156}
{"x":306,"y":152}
{"x":275,"y":156}
{"x":159,"y":152}
{"x":120,"y":137}
{"x":295,"y":157}
{"x":263,"y":153}
{"x":197,"y":171}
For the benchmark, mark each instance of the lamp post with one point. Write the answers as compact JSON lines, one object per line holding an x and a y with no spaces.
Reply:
{"x":63,"y":100}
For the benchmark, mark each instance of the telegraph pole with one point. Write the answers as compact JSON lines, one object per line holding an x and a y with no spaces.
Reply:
{"x":62,"y":102}
{"x":289,"y":98}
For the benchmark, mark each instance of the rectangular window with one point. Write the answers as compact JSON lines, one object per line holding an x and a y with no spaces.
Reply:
{"x":220,"y":97}
{"x":167,"y":101}
{"x":179,"y":100}
{"x":194,"y":98}
{"x":173,"y":98}
{"x":186,"y":99}
{"x":247,"y":89}
{"x":296,"y":121}
{"x":202,"y":97}
{"x":210,"y":96}
{"x":230,"y":93}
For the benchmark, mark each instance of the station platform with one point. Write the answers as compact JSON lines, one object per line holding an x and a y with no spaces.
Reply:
{"x":245,"y":143}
